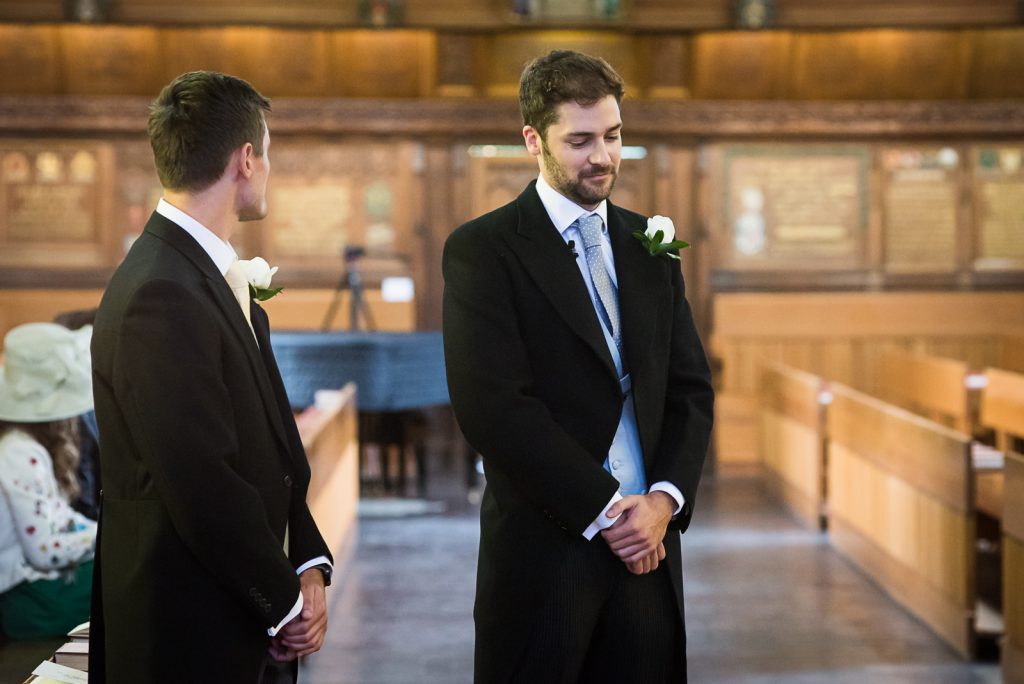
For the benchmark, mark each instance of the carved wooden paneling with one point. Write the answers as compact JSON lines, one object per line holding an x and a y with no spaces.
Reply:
{"x":745,"y":66}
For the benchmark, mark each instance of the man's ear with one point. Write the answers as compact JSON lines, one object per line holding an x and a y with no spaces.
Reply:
{"x":532,"y":139}
{"x":246,"y":157}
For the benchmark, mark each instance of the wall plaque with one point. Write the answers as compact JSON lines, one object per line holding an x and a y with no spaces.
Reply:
{"x":794,"y":206}
{"x":920,"y":208}
{"x":54,"y":203}
{"x":999,"y":206}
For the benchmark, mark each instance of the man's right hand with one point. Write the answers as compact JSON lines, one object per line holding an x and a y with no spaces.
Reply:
{"x":648,"y":564}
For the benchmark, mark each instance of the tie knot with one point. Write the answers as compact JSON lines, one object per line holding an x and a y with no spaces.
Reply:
{"x":236,"y":276}
{"x":590,"y":230}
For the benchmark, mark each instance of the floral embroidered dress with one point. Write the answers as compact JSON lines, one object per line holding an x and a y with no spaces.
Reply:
{"x":40,"y":533}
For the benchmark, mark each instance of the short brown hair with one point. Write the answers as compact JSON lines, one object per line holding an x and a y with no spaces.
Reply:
{"x":564,"y":76}
{"x":197,"y":121}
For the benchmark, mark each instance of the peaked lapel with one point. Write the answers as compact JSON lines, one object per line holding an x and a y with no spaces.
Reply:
{"x":544,"y":254}
{"x":643,"y":286}
{"x":171,"y":233}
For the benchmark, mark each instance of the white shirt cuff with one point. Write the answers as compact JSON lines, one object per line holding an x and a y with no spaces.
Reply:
{"x":602,"y":522}
{"x":296,"y":609}
{"x":319,"y":560}
{"x":672,"y":491}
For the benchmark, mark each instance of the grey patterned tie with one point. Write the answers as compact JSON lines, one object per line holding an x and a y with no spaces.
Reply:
{"x":590,"y":231}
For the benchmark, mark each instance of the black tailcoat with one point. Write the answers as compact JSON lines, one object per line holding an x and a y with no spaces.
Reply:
{"x":202,"y":470}
{"x":535,"y":391}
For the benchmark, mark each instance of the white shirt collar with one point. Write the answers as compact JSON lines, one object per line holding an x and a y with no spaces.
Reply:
{"x":562,"y":210}
{"x":221,"y":252}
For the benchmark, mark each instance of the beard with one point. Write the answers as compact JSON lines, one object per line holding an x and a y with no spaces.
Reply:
{"x":581,"y":189}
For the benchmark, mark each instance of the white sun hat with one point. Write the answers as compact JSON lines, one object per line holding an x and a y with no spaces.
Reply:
{"x":47,"y":373}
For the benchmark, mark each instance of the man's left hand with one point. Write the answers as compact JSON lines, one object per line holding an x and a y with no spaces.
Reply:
{"x":641,"y":526}
{"x":305,"y":634}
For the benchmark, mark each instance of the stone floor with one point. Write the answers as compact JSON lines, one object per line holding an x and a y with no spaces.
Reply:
{"x":767,"y":602}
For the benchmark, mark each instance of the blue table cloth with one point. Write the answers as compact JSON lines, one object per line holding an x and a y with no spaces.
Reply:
{"x":393,"y":371}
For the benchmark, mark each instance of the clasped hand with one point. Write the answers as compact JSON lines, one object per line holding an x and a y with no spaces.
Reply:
{"x":305,"y":633}
{"x":637,"y":536}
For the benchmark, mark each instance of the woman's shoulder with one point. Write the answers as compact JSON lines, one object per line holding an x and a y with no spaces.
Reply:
{"x":15,"y":443}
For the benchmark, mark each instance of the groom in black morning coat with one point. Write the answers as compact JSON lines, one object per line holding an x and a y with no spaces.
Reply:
{"x":550,"y":387}
{"x":210,"y":566}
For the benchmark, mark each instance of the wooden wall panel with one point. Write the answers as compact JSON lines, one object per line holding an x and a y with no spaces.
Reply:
{"x":830,"y":13}
{"x":110,"y":60}
{"x":31,"y":10}
{"x":374,"y":64}
{"x":30,"y":59}
{"x":997,"y":54}
{"x":879,"y":65}
{"x":510,"y":52}
{"x":194,"y":49}
{"x":742,"y":66}
{"x":301,"y":62}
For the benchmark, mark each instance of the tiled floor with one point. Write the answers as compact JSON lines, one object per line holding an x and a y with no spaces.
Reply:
{"x":767,"y":602}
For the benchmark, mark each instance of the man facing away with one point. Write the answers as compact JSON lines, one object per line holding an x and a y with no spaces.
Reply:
{"x":575,"y":369}
{"x":210,"y":567}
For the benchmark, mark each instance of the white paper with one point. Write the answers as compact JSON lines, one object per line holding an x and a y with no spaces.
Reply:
{"x":52,"y":672}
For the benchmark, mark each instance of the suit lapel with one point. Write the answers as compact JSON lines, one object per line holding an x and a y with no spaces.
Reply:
{"x":543,"y":253}
{"x":174,"y":235}
{"x":642,"y":283}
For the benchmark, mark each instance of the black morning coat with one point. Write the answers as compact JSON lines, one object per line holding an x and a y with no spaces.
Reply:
{"x":202,"y":469}
{"x":535,"y":391}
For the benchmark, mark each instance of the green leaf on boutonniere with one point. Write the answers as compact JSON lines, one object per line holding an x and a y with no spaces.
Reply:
{"x":655,"y":246}
{"x":262,"y":294}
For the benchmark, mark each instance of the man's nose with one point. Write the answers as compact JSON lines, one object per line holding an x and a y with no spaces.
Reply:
{"x":600,"y":156}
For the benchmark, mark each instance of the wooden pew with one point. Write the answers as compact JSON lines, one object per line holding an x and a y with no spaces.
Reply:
{"x":931,"y":386}
{"x":1002,"y":406}
{"x":1013,"y":571}
{"x":792,"y":440}
{"x":329,"y":431}
{"x":1012,"y":357}
{"x":901,"y":507}
{"x":838,"y":336}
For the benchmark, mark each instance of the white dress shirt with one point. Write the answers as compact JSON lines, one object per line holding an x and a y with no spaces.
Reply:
{"x":625,"y":459}
{"x":223,"y":255}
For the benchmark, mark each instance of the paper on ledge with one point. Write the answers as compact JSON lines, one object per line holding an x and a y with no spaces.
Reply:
{"x":48,"y":673}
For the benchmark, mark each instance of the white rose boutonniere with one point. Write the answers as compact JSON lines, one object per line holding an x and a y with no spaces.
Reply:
{"x":259,"y":274}
{"x":659,"y":238}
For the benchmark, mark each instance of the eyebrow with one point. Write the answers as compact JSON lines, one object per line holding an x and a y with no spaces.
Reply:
{"x":586,"y":134}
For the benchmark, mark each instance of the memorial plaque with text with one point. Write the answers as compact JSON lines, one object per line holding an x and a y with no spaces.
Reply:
{"x":53,"y":203}
{"x":920,"y":209}
{"x":795,"y":207}
{"x":999,"y":206}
